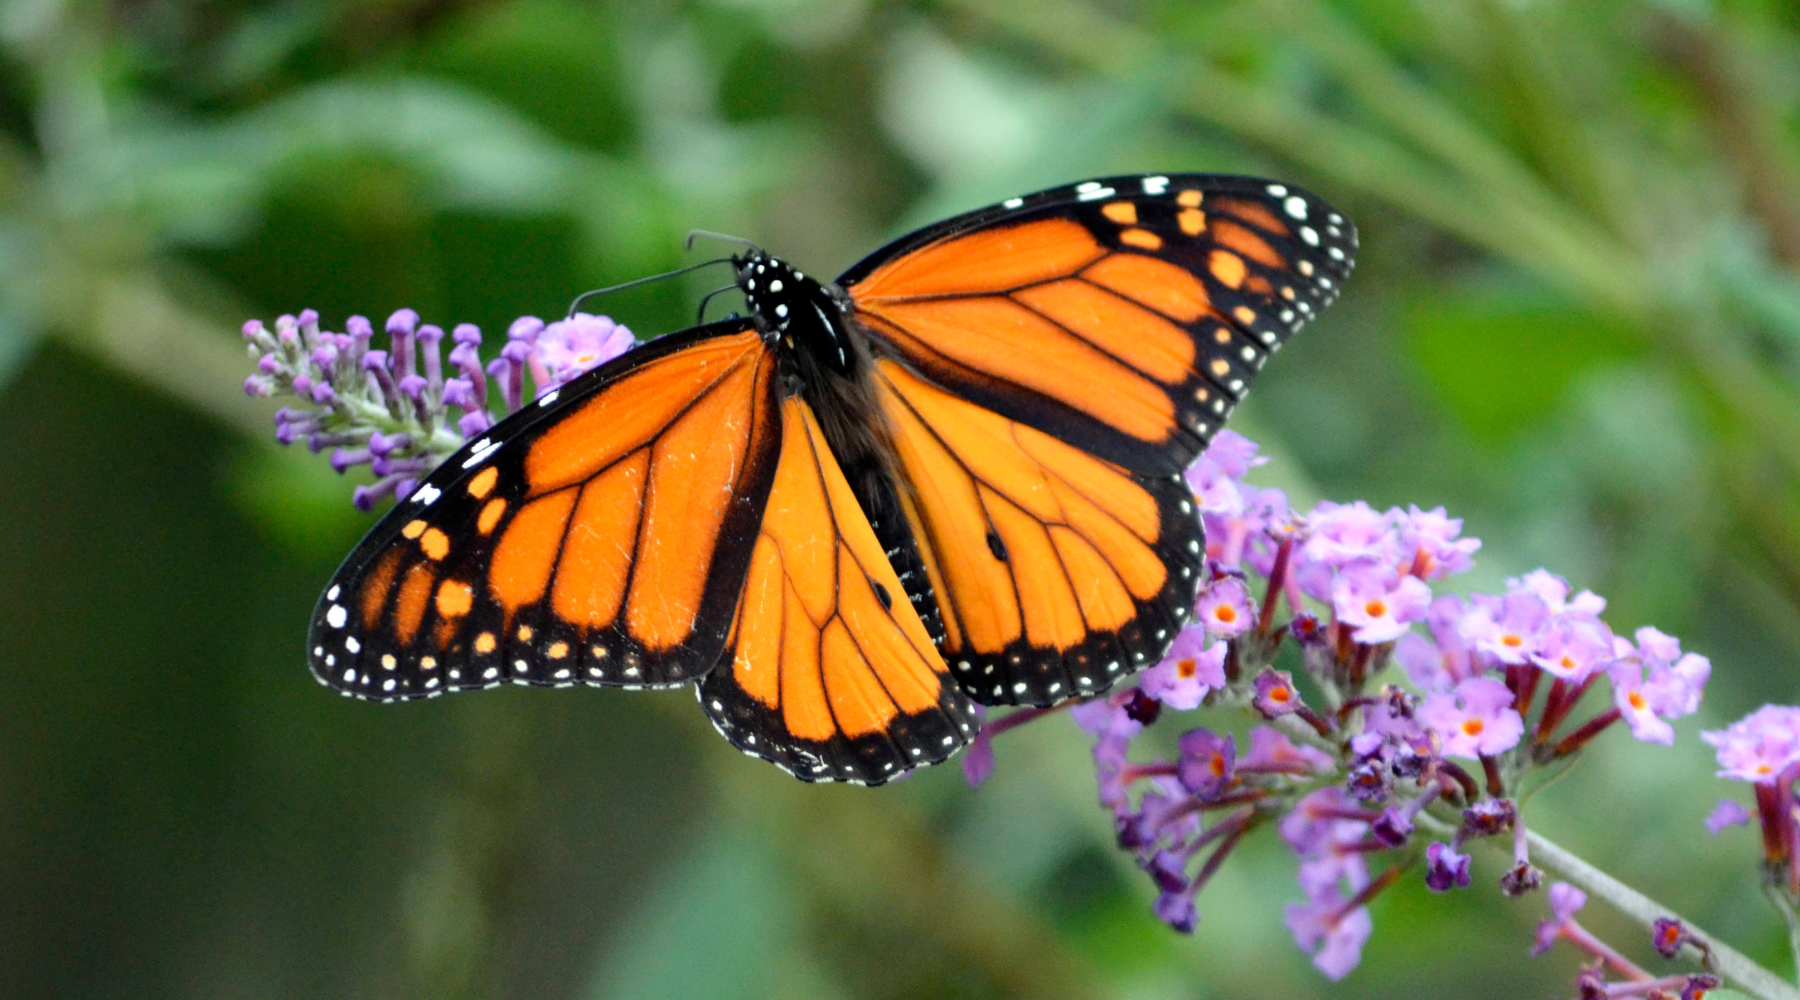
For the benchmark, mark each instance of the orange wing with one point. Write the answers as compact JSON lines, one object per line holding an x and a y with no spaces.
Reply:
{"x":831,"y":674}
{"x":1057,"y":573}
{"x":600,"y":535}
{"x":1126,"y":316}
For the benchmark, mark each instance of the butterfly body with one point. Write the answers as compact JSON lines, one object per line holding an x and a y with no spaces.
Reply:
{"x":951,"y":476}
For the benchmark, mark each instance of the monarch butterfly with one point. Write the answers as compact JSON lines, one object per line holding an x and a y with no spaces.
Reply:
{"x":951,"y":476}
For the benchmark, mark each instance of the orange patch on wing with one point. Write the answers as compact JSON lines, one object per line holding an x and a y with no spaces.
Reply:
{"x":526,"y":553}
{"x":991,"y":260}
{"x":409,"y":608}
{"x":1227,"y":267}
{"x":1052,"y":616}
{"x":696,"y":462}
{"x":999,"y":336}
{"x":1104,"y":601}
{"x":485,"y":643}
{"x":1248,"y":244}
{"x":454,"y":599}
{"x":1143,"y":239}
{"x":756,"y":658}
{"x":375,"y":587}
{"x":1192,"y":221}
{"x":490,"y":515}
{"x":483,"y":483}
{"x":414,"y":528}
{"x":596,"y":556}
{"x":857,"y":701}
{"x":1245,"y":315}
{"x":1253,"y":213}
{"x":803,"y":706}
{"x":1162,"y":286}
{"x":435,"y":544}
{"x":1122,"y":212}
{"x":627,"y":414}
{"x":1123,"y":329}
{"x":1189,"y":198}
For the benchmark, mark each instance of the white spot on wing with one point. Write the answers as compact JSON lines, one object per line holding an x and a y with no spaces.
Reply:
{"x":1095,"y":194}
{"x":426,"y":494}
{"x":549,"y":397}
{"x":1296,"y":206}
{"x":1012,"y":203}
{"x":1278,"y":190}
{"x":1156,"y":185}
{"x":336,"y":616}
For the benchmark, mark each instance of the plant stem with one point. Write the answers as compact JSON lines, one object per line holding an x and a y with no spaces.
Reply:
{"x":1733,"y":966}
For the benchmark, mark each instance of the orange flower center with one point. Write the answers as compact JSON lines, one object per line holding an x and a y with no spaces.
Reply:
{"x":1376,"y":608}
{"x":1225,"y":613}
{"x":1218,"y":765}
{"x":1473,"y":727}
{"x":1636,"y":699}
{"x":1186,"y":668}
{"x":1510,"y":639}
{"x":1280,"y":694}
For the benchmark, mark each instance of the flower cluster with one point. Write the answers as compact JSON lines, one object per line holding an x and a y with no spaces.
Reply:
{"x":402,"y":411}
{"x":1763,"y":748}
{"x":1353,"y":771}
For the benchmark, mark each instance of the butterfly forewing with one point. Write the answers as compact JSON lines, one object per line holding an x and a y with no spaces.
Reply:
{"x":1126,"y":316}
{"x":601,"y":535}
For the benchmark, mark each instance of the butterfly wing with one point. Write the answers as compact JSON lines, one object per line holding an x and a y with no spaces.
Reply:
{"x":831,"y":674}
{"x":1057,"y":572}
{"x":600,"y":535}
{"x":1126,"y":315}
{"x":1049,"y":366}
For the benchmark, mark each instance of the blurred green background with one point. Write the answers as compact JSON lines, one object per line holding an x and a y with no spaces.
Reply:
{"x":1576,"y":321}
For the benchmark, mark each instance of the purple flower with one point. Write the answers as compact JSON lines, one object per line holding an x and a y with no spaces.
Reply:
{"x":566,"y":349}
{"x":1726,"y":813}
{"x":1476,"y":720}
{"x":1176,"y":908}
{"x":1565,"y":902}
{"x":1574,"y":647}
{"x":1207,"y":761}
{"x":1423,"y":662}
{"x":978,"y":760}
{"x":1759,"y":746}
{"x":1431,"y":537}
{"x":1275,"y":693}
{"x":1336,"y":535}
{"x":1667,"y":935}
{"x":1675,"y":681}
{"x":1189,"y":672}
{"x":1225,"y":608}
{"x":1271,"y":750}
{"x":1377,"y":601}
{"x":1445,"y":869}
{"x":1553,"y":590}
{"x":1505,"y":628}
{"x":1250,"y":536}
{"x":1214,"y":475}
{"x":1334,"y":938}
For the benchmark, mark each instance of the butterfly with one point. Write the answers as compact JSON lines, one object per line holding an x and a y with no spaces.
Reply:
{"x":951,"y":477}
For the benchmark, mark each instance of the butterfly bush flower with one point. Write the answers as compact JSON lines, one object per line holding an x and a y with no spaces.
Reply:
{"x":1415,"y":717}
{"x":403,"y":410}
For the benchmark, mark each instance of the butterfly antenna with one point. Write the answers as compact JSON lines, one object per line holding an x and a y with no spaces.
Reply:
{"x":694,"y":234}
{"x":700,"y":315}
{"x":643,"y":281}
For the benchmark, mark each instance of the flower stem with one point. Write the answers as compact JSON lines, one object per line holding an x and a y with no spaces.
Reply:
{"x":1733,"y":966}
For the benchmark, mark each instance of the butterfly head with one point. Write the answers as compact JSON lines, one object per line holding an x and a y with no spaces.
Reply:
{"x":793,"y":309}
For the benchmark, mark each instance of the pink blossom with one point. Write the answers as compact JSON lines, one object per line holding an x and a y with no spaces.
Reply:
{"x":1334,"y":938}
{"x":1423,"y":662}
{"x":1505,"y":628}
{"x":1189,"y":672}
{"x":1225,"y":608}
{"x":1336,"y":535}
{"x":566,"y":349}
{"x":1377,"y":601}
{"x":1759,"y":746}
{"x":1574,"y":647}
{"x":1634,"y":702}
{"x":1430,"y":536}
{"x":1553,"y":590}
{"x":1214,"y":476}
{"x":1271,"y":750}
{"x":1476,"y":720}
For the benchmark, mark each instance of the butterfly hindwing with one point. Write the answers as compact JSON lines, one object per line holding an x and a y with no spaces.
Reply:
{"x":1057,"y":573}
{"x":1126,"y":315}
{"x":581,"y":540}
{"x":831,"y":673}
